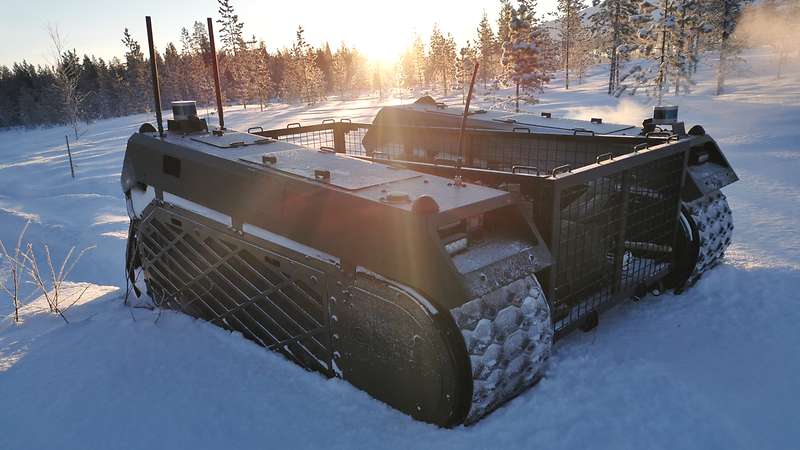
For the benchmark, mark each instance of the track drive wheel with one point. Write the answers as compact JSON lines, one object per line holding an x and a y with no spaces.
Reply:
{"x":705,"y":232}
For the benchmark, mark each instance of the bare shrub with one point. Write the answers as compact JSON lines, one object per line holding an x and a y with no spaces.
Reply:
{"x":50,"y":281}
{"x":15,"y":263}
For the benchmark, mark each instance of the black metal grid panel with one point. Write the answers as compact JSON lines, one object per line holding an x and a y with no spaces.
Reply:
{"x":611,"y":229}
{"x":615,"y":236}
{"x":497,"y":150}
{"x":353,"y":137}
{"x":589,"y":226}
{"x":310,"y":138}
{"x":270,"y":299}
{"x":652,"y":215}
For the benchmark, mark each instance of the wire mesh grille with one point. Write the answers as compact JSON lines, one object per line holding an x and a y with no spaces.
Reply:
{"x":353,"y":139}
{"x":616,"y":236}
{"x":614,"y":233}
{"x":311,"y":139}
{"x":268,"y":298}
{"x":495,"y":150}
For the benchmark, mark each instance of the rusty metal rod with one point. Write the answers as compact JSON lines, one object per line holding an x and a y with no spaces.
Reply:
{"x":154,"y":74}
{"x":215,"y":67}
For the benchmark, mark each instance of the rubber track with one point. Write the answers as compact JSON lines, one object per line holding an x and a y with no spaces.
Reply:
{"x":508,"y":334}
{"x":713,"y":222}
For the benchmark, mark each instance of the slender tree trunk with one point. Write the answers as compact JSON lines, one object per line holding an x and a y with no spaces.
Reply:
{"x":722,"y":70}
{"x":566,"y":50}
{"x":662,"y":66}
{"x":680,"y":49}
{"x":517,"y":107}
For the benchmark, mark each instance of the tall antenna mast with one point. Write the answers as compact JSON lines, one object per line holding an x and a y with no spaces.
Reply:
{"x":214,"y":65}
{"x":154,"y":74}
{"x":464,"y":117}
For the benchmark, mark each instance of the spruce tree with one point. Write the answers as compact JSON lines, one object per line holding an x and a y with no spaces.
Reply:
{"x":523,"y":58}
{"x":487,"y":50}
{"x":231,"y":28}
{"x":135,"y":75}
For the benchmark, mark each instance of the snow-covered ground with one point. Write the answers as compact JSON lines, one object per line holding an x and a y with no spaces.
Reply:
{"x":716,"y":367}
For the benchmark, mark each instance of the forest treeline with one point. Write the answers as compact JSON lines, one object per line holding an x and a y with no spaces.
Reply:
{"x":648,"y":45}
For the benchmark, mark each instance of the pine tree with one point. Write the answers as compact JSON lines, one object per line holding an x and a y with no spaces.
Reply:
{"x":503,"y":20}
{"x":303,"y":79}
{"x":231,"y":28}
{"x":614,"y":29}
{"x":172,"y":75}
{"x":681,"y":66}
{"x":523,"y":58}
{"x":412,"y":65}
{"x":657,"y":26}
{"x":465,"y":65}
{"x":199,"y":62}
{"x":570,"y":25}
{"x":135,"y":74}
{"x":487,"y":50}
{"x":442,"y":58}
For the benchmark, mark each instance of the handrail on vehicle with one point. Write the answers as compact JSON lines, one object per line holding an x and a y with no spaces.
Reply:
{"x":604,"y":157}
{"x":517,"y":169}
{"x":561,"y":169}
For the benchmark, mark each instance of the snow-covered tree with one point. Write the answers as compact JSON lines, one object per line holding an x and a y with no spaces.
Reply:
{"x":570,"y":24}
{"x":523,"y":58}
{"x":487,"y":50}
{"x":658,"y":57}
{"x":442,"y":58}
{"x":614,"y":31}
{"x":503,"y":20}
{"x":303,"y":80}
{"x":465,"y":65}
{"x":412,"y":65}
{"x":258,"y":73}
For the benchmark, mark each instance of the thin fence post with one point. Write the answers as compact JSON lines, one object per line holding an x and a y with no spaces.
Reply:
{"x":69,"y":153}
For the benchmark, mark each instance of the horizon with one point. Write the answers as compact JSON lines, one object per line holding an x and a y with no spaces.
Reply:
{"x":353,"y":23}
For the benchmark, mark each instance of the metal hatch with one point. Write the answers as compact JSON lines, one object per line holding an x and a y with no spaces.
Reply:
{"x":231,"y":139}
{"x":332,"y":168}
{"x":565,"y":125}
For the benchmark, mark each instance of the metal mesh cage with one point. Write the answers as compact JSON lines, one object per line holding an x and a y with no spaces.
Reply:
{"x":615,"y":236}
{"x":610,"y":222}
{"x":236,"y":285}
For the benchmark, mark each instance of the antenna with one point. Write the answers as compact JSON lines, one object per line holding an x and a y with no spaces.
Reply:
{"x":154,"y":73}
{"x":464,"y":118}
{"x":215,"y":67}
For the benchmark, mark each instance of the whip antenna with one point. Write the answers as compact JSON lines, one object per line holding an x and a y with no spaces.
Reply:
{"x":154,"y":74}
{"x":464,"y":119}
{"x":215,"y":67}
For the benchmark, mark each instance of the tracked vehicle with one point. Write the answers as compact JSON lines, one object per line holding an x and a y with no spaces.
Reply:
{"x":433,"y":276}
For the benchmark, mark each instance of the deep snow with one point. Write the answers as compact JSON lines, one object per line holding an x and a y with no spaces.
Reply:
{"x":716,"y":367}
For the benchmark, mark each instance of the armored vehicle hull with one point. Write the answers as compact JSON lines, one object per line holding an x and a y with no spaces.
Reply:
{"x":420,"y":290}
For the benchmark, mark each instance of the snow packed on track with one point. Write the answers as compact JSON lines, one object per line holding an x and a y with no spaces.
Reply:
{"x":715,"y":368}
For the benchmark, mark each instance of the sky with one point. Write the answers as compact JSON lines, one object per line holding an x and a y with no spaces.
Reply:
{"x":381,"y":29}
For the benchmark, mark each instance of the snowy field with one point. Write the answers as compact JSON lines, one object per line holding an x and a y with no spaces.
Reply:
{"x":715,"y":368}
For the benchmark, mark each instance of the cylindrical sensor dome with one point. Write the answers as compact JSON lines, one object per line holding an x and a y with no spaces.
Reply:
{"x":183,"y":110}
